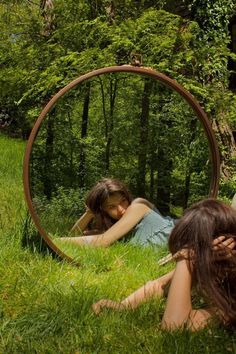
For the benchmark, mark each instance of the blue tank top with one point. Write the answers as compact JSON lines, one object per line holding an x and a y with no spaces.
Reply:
{"x":153,"y":229}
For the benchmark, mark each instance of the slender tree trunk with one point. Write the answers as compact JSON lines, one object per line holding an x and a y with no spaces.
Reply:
{"x":109,"y":120}
{"x":232,"y":63}
{"x":48,"y":172}
{"x":153,"y":170}
{"x":71,"y":150}
{"x":143,"y":142}
{"x":46,"y":8}
{"x":110,"y":11}
{"x":84,"y":128}
{"x":104,"y":107}
{"x":112,"y":97}
{"x":186,"y":189}
{"x":163,"y":181}
{"x":189,"y":170}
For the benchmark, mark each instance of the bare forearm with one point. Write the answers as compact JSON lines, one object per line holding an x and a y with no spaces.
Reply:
{"x":132,"y":216}
{"x":125,"y":224}
{"x":178,"y":307}
{"x":154,"y":288}
{"x":89,"y":240}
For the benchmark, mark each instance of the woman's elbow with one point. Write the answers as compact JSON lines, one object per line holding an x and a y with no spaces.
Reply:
{"x":175,"y":320}
{"x":172,"y":324}
{"x":194,"y":321}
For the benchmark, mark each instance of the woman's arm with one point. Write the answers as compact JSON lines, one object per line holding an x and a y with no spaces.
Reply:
{"x":179,"y":304}
{"x":223,"y":246}
{"x":178,"y":311}
{"x":134,"y":213}
{"x":83,"y":221}
{"x":153,"y":288}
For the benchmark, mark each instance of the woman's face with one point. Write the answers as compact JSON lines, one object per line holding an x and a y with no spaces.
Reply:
{"x":115,"y":206}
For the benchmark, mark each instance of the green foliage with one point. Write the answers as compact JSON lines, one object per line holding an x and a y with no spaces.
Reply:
{"x":35,"y":67}
{"x":228,"y":187}
{"x":59,"y":214}
{"x":84,"y":37}
{"x":213,"y":15}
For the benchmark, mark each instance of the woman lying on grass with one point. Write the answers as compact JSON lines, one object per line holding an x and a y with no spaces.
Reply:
{"x":110,"y":205}
{"x":203,"y":243}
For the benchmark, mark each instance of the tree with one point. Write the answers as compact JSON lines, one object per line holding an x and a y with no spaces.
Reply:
{"x":56,"y":41}
{"x":214,"y":19}
{"x":47,"y":11}
{"x":143,"y":140}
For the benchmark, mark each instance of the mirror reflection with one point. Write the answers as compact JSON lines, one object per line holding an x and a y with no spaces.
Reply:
{"x":127,"y":127}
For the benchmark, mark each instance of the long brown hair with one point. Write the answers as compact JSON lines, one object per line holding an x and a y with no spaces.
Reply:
{"x":215,"y":276}
{"x":99,"y":194}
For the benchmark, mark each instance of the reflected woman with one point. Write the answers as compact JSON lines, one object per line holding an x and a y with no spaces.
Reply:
{"x":110,"y":205}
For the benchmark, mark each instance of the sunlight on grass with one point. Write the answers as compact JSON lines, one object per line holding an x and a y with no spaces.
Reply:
{"x":11,"y":191}
{"x":45,"y":303}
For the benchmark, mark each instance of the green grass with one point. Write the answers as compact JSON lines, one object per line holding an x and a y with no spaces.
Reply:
{"x":11,"y":194}
{"x":45,"y":303}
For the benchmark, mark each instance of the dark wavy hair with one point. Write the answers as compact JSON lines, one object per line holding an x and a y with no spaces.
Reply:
{"x":98,"y":195}
{"x":214,"y":276}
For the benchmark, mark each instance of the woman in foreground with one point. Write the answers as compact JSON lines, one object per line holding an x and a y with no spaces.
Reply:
{"x":110,"y":206}
{"x":203,"y":244}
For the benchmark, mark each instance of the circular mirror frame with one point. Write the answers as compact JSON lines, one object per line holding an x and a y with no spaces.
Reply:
{"x":148,"y":72}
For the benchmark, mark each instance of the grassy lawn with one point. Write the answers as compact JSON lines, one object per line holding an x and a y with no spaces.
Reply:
{"x":46,"y":303}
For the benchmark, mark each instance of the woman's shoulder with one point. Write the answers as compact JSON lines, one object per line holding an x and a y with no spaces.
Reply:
{"x":143,"y":201}
{"x":139,"y":209}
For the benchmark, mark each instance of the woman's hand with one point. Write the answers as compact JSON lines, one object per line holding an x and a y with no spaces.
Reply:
{"x":224,"y":248}
{"x":152,"y":289}
{"x":222,"y":242}
{"x":105,"y":303}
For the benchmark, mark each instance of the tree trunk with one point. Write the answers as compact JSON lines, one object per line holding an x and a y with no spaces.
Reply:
{"x":84,"y":128}
{"x":225,"y":139}
{"x":163,"y":181}
{"x":189,"y":170}
{"x":143,"y":142}
{"x":232,"y":46}
{"x":110,"y":11}
{"x":153,"y":175}
{"x":113,"y":92}
{"x":46,"y":8}
{"x":48,"y":172}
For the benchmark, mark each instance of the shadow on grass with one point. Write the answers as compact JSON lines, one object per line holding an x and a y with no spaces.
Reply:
{"x":32,"y":240}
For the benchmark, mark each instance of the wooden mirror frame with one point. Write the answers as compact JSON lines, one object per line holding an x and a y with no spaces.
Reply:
{"x":215,"y":157}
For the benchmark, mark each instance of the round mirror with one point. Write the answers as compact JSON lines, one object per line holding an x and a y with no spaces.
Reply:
{"x":126,"y":122}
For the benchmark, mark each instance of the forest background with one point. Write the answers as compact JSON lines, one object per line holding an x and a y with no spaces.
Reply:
{"x":44,"y":45}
